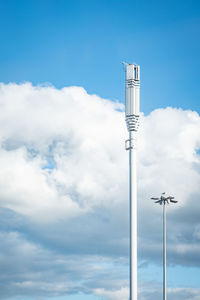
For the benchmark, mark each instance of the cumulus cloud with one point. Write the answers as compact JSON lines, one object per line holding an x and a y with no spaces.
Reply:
{"x":55,"y":159}
{"x":121,"y":294}
{"x":64,"y":187}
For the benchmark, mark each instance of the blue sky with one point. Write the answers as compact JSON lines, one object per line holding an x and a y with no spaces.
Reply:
{"x":46,"y":158}
{"x":84,"y":42}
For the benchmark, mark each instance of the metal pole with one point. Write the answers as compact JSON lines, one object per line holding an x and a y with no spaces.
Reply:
{"x":133,"y":216}
{"x":164,"y":200}
{"x":164,"y":252}
{"x":132,"y":122}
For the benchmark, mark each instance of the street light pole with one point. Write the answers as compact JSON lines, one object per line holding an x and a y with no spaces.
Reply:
{"x":132,"y":121}
{"x":164,"y":200}
{"x":164,"y":253}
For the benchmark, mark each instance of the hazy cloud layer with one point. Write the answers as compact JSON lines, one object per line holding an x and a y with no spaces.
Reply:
{"x":64,"y":192}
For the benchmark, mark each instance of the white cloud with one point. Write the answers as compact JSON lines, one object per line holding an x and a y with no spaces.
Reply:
{"x":64,"y":174}
{"x":44,"y":126}
{"x":121,"y":294}
{"x":184,"y":293}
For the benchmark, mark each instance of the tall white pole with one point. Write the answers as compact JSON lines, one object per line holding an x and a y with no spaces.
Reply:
{"x":132,"y":121}
{"x":133,"y":217}
{"x":164,"y":253}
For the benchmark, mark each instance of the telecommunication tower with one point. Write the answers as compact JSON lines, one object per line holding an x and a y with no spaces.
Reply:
{"x":132,"y":122}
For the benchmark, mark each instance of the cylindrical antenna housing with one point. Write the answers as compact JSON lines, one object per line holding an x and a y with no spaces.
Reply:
{"x":132,"y":96}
